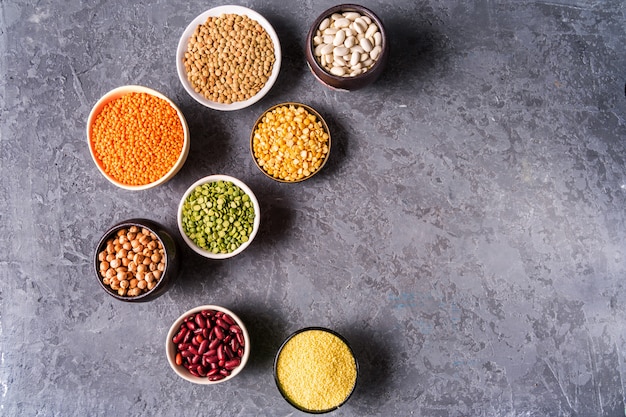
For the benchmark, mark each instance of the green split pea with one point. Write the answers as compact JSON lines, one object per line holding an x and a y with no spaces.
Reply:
{"x":218,"y":216}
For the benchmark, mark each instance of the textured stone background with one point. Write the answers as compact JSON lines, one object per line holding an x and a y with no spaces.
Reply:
{"x":468,"y":235}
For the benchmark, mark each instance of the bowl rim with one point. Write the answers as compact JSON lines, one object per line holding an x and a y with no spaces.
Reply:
{"x":200,"y":19}
{"x":170,"y":348}
{"x":310,"y":110}
{"x":315,"y":66}
{"x":117,"y":93}
{"x":256,"y":223}
{"x":143,"y":223}
{"x":284,"y":343}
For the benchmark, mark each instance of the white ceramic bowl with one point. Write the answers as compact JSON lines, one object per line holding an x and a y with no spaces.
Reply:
{"x":116,"y":94}
{"x":201,"y":19}
{"x":171,"y":348}
{"x":256,"y":224}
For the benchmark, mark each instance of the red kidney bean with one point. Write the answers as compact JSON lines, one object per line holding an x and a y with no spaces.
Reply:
{"x":219,"y":332}
{"x":220,"y":322}
{"x":204,"y":345}
{"x":200,"y":321}
{"x":180,"y":336}
{"x":232,"y":364}
{"x":209,"y":344}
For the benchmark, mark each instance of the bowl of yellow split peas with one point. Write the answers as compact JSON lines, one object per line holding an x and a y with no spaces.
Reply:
{"x":290,"y":142}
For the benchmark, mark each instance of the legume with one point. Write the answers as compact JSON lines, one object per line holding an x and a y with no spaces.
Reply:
{"x":218,"y":216}
{"x":209,"y":344}
{"x":229,"y":58}
{"x":347,"y":44}
{"x":132,"y":262}
{"x":290,"y":143}
{"x":137,"y":138}
{"x":316,"y":370}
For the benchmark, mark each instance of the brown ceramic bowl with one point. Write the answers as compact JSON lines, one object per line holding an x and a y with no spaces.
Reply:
{"x":170,"y":251}
{"x":346,"y":83}
{"x":261,"y":119}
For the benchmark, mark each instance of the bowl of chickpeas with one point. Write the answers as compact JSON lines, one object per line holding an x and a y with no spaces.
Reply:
{"x":228,"y":58}
{"x":136,"y":260}
{"x":218,"y":216}
{"x":138,"y":138}
{"x":290,"y":142}
{"x":346,"y":47}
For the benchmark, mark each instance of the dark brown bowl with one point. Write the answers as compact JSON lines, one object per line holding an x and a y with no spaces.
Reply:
{"x":346,"y":83}
{"x":278,"y":382}
{"x":172,"y":259}
{"x":312,"y":111}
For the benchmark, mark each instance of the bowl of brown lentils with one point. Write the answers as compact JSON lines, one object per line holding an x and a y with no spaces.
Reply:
{"x":228,"y":58}
{"x":136,"y":260}
{"x":290,"y":142}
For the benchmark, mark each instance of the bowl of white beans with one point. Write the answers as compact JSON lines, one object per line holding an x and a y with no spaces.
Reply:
{"x":347,"y":47}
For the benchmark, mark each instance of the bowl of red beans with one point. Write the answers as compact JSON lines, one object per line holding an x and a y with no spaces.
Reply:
{"x":138,"y":138}
{"x":208,"y":344}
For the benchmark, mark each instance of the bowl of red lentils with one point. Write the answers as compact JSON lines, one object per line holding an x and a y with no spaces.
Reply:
{"x":228,"y":57}
{"x":207,"y":345}
{"x":315,"y":370}
{"x":218,"y":216}
{"x":138,"y":138}
{"x":136,"y":260}
{"x":290,"y":142}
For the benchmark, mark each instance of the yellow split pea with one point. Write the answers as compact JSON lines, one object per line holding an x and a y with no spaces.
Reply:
{"x":316,"y":370}
{"x":290,"y":143}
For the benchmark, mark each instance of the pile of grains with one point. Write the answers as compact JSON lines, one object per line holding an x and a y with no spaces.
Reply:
{"x":229,"y":58}
{"x":316,"y":370}
{"x":132,"y":262}
{"x":137,"y":138}
{"x":347,"y":44}
{"x":218,"y":216}
{"x":290,"y":143}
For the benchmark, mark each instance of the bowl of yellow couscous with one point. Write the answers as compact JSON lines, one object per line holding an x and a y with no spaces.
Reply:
{"x":315,"y":370}
{"x":290,"y":142}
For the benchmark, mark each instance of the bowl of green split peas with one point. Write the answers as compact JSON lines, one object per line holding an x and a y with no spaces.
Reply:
{"x":218,"y":216}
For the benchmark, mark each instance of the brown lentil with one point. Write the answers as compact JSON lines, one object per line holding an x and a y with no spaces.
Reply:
{"x":289,"y":143}
{"x":316,"y":370}
{"x":229,"y":58}
{"x":126,"y":280}
{"x":137,"y":138}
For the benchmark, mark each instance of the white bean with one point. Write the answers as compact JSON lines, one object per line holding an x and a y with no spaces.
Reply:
{"x":318,"y":49}
{"x":339,"y":61}
{"x":349,"y":42}
{"x":342,"y":23}
{"x":339,"y":71}
{"x":355,"y":58}
{"x":367,"y":19}
{"x":375,"y":52}
{"x":336,"y":16}
{"x":340,"y":51}
{"x":317,"y":40}
{"x":351,"y":15}
{"x":366,"y":44}
{"x":358,"y":27}
{"x":339,"y":38}
{"x":325,"y":23}
{"x":378,"y":39}
{"x":328,"y":38}
{"x":357,"y":48}
{"x":330,"y":31}
{"x":371,"y":29}
{"x":327,"y":49}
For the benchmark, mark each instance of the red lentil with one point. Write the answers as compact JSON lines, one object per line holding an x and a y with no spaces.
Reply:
{"x":137,"y":138}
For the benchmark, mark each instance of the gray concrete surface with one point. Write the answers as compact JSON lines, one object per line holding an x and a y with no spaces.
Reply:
{"x":468,"y":235}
